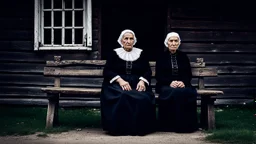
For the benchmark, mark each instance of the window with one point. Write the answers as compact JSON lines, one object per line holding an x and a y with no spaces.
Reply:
{"x":63,"y":25}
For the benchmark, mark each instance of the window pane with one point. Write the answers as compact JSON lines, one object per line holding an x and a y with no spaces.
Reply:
{"x":60,"y":23}
{"x":57,"y":4}
{"x":57,"y":18}
{"x":78,"y":36}
{"x":57,"y":36}
{"x":68,"y":36}
{"x":68,"y":18}
{"x":47,"y":36}
{"x":47,"y":4}
{"x":47,"y":18}
{"x":78,"y":3}
{"x":68,"y":4}
{"x":79,"y":18}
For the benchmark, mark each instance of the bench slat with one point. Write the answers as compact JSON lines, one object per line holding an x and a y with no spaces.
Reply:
{"x":52,"y":71}
{"x":103,"y":62}
{"x":209,"y":92}
{"x":97,"y":91}
{"x":71,"y":90}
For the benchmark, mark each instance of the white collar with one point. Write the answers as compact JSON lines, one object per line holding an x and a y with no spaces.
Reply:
{"x":133,"y":55}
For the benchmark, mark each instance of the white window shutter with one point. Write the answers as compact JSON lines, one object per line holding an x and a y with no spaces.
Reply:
{"x":36,"y":24}
{"x":89,"y":23}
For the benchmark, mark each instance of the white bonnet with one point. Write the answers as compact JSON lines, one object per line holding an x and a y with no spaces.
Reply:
{"x":122,"y":34}
{"x":170,"y":35}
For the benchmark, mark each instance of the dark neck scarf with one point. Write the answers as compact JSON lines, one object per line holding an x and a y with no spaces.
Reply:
{"x":128,"y":67}
{"x":175,"y":68}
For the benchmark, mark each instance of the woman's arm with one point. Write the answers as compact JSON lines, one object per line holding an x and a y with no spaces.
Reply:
{"x":187,"y":73}
{"x":109,"y":72}
{"x":161,"y":71}
{"x":146,"y":72}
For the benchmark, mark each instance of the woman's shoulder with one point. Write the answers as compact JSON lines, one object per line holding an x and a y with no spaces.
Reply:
{"x":181,"y":53}
{"x":183,"y":56}
{"x":162,"y":55}
{"x":111,"y":54}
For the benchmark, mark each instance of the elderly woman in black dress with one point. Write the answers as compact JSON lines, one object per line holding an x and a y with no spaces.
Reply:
{"x":127,"y":100}
{"x":177,"y":109}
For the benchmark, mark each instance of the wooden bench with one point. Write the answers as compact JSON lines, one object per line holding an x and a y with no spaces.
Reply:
{"x":93,"y":68}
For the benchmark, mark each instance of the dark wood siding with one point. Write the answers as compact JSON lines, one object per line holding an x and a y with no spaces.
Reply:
{"x":21,"y":68}
{"x":226,"y":39}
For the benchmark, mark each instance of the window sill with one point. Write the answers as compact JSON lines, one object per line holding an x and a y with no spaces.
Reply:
{"x":64,"y":48}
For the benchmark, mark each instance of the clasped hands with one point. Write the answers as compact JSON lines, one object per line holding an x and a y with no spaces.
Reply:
{"x":177,"y":84}
{"x":126,"y":86}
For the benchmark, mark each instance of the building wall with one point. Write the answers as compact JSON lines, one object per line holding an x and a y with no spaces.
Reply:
{"x":21,"y":68}
{"x":226,"y":39}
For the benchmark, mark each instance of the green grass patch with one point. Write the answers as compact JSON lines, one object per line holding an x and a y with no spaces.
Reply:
{"x":28,"y":120}
{"x":234,"y":136}
{"x":234,"y":125}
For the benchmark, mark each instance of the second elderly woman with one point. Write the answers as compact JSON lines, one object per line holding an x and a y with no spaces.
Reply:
{"x":127,"y":100}
{"x":177,"y":98}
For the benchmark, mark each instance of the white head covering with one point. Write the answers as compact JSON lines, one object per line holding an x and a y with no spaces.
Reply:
{"x":122,"y":34}
{"x":170,"y":35}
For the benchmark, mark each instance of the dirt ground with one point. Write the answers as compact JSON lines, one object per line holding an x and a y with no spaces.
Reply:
{"x":97,"y":136}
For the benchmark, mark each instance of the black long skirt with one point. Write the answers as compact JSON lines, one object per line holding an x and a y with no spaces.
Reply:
{"x":127,"y":112}
{"x":177,"y":109}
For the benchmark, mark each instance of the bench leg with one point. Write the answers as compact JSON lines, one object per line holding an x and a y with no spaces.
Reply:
{"x":207,"y":113}
{"x":52,"y":111}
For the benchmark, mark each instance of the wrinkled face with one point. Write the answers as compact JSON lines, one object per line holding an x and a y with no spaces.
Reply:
{"x":127,"y":41}
{"x":173,"y":43}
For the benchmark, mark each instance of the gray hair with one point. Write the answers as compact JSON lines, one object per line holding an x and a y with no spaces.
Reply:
{"x":122,"y":34}
{"x":170,"y":35}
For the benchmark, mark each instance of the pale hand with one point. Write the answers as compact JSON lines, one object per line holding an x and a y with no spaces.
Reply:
{"x":124,"y":84}
{"x":181,"y":84}
{"x":177,"y":84}
{"x":141,"y":86}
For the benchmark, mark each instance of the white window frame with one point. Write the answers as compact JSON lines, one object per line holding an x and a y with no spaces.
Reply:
{"x":87,"y":29}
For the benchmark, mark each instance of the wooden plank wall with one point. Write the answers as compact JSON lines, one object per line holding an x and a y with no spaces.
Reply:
{"x":21,"y":68}
{"x":226,"y":39}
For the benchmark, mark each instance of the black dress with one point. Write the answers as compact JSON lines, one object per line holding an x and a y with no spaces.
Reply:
{"x":127,"y":112}
{"x":177,"y":109}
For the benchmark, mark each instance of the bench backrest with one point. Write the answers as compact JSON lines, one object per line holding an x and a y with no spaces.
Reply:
{"x":60,"y":68}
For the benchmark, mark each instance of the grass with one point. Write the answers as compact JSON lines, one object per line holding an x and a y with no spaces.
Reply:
{"x":29,"y":120}
{"x":233,"y":124}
